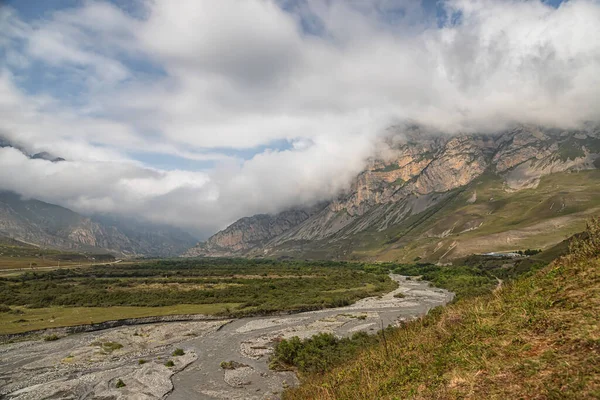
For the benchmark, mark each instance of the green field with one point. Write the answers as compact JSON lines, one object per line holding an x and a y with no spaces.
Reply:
{"x":235,"y":287}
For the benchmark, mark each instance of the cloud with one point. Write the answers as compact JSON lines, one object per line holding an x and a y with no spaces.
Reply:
{"x":206,"y":80}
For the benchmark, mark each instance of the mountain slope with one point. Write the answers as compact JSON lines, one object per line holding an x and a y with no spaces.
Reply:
{"x":251,"y":232}
{"x":534,"y":338}
{"x":435,"y":191}
{"x":49,"y":225}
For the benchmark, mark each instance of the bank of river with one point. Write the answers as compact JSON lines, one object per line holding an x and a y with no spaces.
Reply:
{"x":78,"y":366}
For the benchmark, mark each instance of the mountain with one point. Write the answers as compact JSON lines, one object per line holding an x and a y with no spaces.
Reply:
{"x":48,"y":225}
{"x":437,"y":197}
{"x":44,"y":155}
{"x":252,"y":232}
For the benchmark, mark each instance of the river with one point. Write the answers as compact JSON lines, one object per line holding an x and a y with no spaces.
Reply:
{"x":78,"y":366}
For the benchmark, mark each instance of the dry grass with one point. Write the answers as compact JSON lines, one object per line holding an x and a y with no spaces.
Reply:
{"x":535,"y":338}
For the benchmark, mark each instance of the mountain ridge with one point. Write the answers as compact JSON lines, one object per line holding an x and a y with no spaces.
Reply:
{"x":49,"y":225}
{"x":424,"y":173}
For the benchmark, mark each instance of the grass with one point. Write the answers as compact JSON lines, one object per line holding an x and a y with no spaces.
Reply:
{"x":54,"y":317}
{"x":535,"y":338}
{"x":232,"y":287}
{"x":388,"y":168}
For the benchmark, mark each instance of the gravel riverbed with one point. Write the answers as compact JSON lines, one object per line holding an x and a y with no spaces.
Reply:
{"x":84,"y":366}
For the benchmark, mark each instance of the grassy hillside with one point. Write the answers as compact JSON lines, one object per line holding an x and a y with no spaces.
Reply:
{"x":483,"y":216}
{"x":537,"y":337}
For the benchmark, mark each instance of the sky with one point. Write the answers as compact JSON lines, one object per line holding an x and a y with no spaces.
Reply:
{"x":195,"y":113}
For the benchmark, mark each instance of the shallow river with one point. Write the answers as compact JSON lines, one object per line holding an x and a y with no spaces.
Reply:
{"x":77,"y":366}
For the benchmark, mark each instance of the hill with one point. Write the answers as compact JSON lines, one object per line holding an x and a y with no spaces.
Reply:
{"x":437,"y":197}
{"x":536,"y":337}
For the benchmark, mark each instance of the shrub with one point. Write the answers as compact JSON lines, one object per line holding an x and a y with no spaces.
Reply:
{"x":51,"y":338}
{"x":169,"y":364}
{"x":318,"y":353}
{"x":399,"y":295}
{"x":231,"y":365}
{"x":140,"y":362}
{"x":4,"y":308}
{"x":120,"y":384}
{"x":178,"y":352}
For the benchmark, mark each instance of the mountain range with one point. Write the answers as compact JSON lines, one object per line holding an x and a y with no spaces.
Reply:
{"x":48,"y":225}
{"x":437,"y":197}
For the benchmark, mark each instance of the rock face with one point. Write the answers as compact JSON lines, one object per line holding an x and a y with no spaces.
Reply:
{"x":251,"y":232}
{"x":49,"y":225}
{"x":421,"y":173}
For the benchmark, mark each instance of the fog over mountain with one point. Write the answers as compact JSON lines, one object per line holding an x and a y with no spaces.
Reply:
{"x":196,"y":113}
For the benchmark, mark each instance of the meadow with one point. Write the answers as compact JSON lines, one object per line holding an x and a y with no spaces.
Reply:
{"x":228,"y":287}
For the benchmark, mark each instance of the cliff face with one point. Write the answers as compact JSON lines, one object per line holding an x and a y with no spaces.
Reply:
{"x":421,"y":174}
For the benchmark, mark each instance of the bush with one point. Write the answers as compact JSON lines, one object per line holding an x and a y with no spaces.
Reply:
{"x":120,"y":384}
{"x":4,"y":308}
{"x":319,"y":353}
{"x":169,"y":364}
{"x":51,"y":338}
{"x":178,"y":352}
{"x":231,"y":365}
{"x":140,"y":362}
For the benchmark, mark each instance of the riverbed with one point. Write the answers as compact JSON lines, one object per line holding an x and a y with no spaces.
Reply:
{"x":83,"y":366}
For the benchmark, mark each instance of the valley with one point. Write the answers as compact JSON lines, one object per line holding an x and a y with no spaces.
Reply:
{"x":93,"y":362}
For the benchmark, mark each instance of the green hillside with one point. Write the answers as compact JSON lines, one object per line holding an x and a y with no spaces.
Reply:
{"x":481,"y":217}
{"x":537,"y":337}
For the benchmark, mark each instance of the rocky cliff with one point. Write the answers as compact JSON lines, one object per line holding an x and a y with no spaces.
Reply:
{"x":407,"y":198}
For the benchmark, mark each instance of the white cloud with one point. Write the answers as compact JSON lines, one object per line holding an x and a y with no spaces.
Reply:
{"x":232,"y":74}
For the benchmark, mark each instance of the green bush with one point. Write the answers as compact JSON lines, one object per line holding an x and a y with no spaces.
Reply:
{"x":51,"y":338}
{"x":178,"y":352}
{"x":169,"y":364}
{"x":318,"y":353}
{"x":140,"y":362}
{"x":120,"y":384}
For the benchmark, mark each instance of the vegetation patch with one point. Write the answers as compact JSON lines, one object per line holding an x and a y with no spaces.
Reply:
{"x":388,"y":168}
{"x":319,"y":353}
{"x":169,"y":364}
{"x":107,"y":347}
{"x":231,"y":365}
{"x":232,"y":287}
{"x":120,"y":384}
{"x":178,"y":352}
